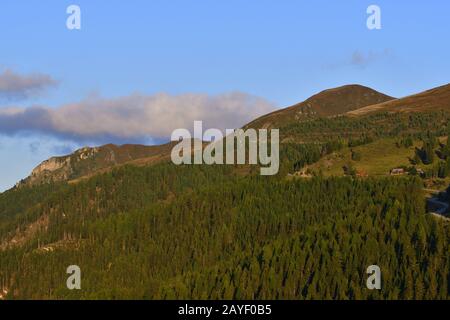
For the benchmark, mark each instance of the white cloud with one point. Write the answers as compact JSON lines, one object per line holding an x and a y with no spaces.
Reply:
{"x":134,"y":117}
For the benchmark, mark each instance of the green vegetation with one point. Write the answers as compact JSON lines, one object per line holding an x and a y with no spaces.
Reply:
{"x":221,"y":232}
{"x":145,"y":233}
{"x":356,"y":156}
{"x":375,"y":159}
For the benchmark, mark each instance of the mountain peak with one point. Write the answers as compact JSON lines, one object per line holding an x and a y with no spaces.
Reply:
{"x":342,"y":99}
{"x":330,"y":102}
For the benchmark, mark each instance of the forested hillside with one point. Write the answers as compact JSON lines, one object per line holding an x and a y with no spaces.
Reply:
{"x":153,"y":230}
{"x":202,"y":232}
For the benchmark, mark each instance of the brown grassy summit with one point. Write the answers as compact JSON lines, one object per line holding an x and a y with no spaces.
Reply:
{"x":327,"y":103}
{"x":433,"y":99}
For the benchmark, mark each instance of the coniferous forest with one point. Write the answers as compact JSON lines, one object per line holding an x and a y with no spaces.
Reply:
{"x":226,"y":156}
{"x":163,"y":231}
{"x":203,"y":232}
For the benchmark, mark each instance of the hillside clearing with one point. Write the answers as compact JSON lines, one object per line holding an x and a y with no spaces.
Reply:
{"x":377,"y":159}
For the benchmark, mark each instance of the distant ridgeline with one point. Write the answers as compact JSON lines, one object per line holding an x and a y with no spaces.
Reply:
{"x":141,"y":227}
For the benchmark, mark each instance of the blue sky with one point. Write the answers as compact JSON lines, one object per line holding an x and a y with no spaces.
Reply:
{"x":128,"y":53}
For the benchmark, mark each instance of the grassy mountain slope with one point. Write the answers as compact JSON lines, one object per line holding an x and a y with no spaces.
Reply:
{"x":434,"y":99}
{"x":374,"y":159}
{"x":330,"y":102}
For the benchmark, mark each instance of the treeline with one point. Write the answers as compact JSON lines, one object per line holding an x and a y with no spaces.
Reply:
{"x":313,"y":139}
{"x":295,"y":156}
{"x":435,"y":155}
{"x":374,"y":126}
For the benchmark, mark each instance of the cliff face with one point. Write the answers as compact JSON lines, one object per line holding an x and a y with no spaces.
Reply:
{"x":50,"y":165}
{"x":60,"y":168}
{"x":88,"y":161}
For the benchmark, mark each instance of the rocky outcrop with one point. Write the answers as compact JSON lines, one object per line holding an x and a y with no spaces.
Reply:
{"x":50,"y":165}
{"x":59,"y":168}
{"x":86,"y":153}
{"x":88,"y":161}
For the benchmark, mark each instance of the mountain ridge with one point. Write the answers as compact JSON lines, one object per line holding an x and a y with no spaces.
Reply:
{"x":329,"y":102}
{"x":348,"y":100}
{"x":89,"y":160}
{"x":435,"y":98}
